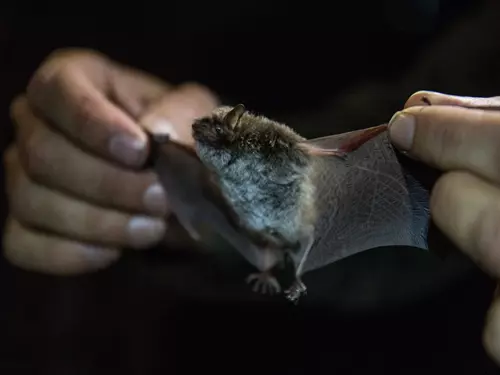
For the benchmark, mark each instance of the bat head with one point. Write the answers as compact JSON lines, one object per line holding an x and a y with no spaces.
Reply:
{"x":230,"y":133}
{"x":220,"y":129}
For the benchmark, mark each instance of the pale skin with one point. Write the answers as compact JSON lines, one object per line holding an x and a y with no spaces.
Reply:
{"x":69,"y":172}
{"x":71,"y":177}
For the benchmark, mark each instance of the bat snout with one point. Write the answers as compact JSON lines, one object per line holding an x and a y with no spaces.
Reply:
{"x":201,"y":129}
{"x":197,"y":128}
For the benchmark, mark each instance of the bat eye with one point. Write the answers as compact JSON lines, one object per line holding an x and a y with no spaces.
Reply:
{"x":218,"y":129}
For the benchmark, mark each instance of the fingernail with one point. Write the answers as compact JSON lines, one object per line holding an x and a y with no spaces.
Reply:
{"x":402,"y":130}
{"x":155,"y":199}
{"x":99,"y":255}
{"x":127,"y":149}
{"x":162,"y":126}
{"x":145,"y":231}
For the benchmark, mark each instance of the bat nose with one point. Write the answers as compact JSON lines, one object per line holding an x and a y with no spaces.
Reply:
{"x":196,"y":128}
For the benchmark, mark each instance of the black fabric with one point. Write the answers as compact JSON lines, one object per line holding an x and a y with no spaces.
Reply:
{"x":388,"y":310}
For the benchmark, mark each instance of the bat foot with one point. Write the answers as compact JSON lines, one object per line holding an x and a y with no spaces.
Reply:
{"x":264,"y":283}
{"x":297,"y":290}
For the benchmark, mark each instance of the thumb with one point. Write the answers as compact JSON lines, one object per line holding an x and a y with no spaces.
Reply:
{"x":450,"y":137}
{"x":174,"y":113}
{"x":134,"y":90}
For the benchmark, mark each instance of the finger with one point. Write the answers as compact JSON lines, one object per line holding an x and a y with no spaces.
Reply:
{"x":49,"y":254}
{"x":175,"y":113}
{"x":135,"y":91}
{"x":435,"y":98}
{"x":37,"y":206}
{"x":467,"y":210}
{"x":491,"y":334}
{"x":52,"y":160}
{"x":71,"y":89}
{"x":450,"y":138}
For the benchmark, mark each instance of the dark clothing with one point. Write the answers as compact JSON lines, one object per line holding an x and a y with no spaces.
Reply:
{"x":387,"y":310}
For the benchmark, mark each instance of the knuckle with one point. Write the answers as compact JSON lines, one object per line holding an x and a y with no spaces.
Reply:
{"x":29,"y":250}
{"x":44,"y":76}
{"x":8,"y":238}
{"x":467,"y":209}
{"x":8,"y":231}
{"x":468,"y":212}
{"x":84,"y":108}
{"x":449,"y":210}
{"x":34,"y":153}
{"x":55,"y":68}
{"x":199,"y":94}
{"x":194,"y":87}
{"x":12,"y":241}
{"x":444,"y":196}
{"x":12,"y":170}
{"x":84,"y":112}
{"x":441,"y":193}
{"x":17,"y":108}
{"x":20,"y":197}
{"x":57,"y":60}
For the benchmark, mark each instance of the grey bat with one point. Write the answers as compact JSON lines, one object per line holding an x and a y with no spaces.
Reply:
{"x":273,"y":195}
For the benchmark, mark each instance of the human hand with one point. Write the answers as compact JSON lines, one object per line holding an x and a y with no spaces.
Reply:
{"x":76,"y":190}
{"x":464,"y":142}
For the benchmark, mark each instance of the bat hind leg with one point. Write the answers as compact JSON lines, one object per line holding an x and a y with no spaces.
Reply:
{"x":297,"y":290}
{"x":264,"y":283}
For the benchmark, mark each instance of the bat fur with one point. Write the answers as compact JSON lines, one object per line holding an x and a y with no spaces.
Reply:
{"x":262,"y":187}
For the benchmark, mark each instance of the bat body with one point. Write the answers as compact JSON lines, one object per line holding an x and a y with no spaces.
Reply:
{"x":264,"y":173}
{"x":274,"y":195}
{"x":192,"y":199}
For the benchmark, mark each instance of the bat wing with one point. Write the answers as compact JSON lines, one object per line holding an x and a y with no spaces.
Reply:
{"x":192,"y":197}
{"x":365,"y":200}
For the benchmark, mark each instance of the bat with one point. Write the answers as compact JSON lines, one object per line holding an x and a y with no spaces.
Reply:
{"x":276,"y":197}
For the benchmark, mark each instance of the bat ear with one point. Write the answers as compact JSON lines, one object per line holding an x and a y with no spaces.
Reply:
{"x":317,"y":150}
{"x":233,"y":117}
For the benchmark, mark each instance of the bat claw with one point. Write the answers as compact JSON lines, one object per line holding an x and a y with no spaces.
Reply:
{"x":265,"y":283}
{"x":297,"y":290}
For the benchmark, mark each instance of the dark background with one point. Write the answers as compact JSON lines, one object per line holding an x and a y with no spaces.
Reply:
{"x":323,"y":68}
